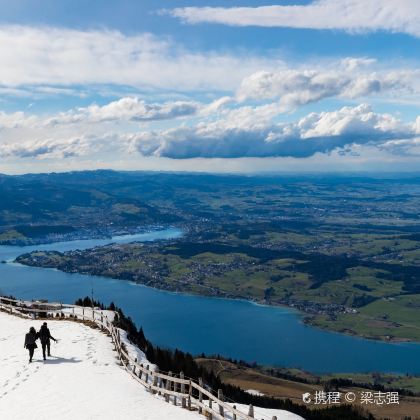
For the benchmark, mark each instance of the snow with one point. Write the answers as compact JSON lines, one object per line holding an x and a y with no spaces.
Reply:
{"x":87,"y":312}
{"x":82,"y":380}
{"x":134,"y":352}
{"x":254,"y":392}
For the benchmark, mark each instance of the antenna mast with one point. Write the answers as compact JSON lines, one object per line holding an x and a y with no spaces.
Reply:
{"x":92,"y":292}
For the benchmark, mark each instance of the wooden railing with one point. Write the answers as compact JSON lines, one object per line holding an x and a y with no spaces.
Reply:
{"x":175,"y":389}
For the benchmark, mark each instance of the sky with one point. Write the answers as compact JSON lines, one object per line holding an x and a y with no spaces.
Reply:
{"x":215,"y":86}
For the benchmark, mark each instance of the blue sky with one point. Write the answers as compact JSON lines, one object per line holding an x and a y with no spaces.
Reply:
{"x":132,"y":17}
{"x":239,"y":85}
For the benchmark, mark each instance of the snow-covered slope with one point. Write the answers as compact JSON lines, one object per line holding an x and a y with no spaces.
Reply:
{"x":82,"y":380}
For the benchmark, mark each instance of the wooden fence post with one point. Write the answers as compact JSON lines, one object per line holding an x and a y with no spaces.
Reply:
{"x":147,"y":374}
{"x":251,"y":411}
{"x":183,"y":400}
{"x":155,"y":378}
{"x":161,"y":386}
{"x":168,"y":387}
{"x":189,"y":395}
{"x":200,"y":394}
{"x":134,"y":366}
{"x":234,"y":415}
{"x":220,"y":397}
{"x":210,"y":406}
{"x":175,"y":390}
{"x":182,"y":376}
{"x":114,"y":337}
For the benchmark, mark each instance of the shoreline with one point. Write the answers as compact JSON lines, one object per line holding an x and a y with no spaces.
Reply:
{"x":88,"y":235}
{"x":305,"y":318}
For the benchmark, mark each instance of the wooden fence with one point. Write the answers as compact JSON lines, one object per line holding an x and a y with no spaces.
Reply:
{"x":175,"y":389}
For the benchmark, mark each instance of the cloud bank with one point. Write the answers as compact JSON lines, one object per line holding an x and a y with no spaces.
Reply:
{"x":42,"y":61}
{"x":257,"y":137}
{"x":125,"y":109}
{"x":345,"y":80}
{"x":62,"y":57}
{"x":353,"y":16}
{"x":220,"y":129}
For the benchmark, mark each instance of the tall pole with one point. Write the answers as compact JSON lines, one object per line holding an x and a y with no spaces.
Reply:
{"x":91,"y":282}
{"x":93,"y":313}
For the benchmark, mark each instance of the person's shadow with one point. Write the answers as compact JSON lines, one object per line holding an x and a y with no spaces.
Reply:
{"x":52,"y":360}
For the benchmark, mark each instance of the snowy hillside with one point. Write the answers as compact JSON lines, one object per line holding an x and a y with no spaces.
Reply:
{"x":82,"y":380}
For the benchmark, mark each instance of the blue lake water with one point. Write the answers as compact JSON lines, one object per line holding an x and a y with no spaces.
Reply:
{"x":232,"y":328}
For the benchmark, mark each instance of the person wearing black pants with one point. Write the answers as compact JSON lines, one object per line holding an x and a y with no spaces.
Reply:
{"x":45,"y":336}
{"x":30,"y":342}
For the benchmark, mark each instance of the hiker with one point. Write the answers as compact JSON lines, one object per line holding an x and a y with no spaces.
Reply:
{"x":45,"y":336}
{"x":30,"y":342}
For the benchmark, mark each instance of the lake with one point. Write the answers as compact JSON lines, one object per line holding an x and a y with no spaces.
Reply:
{"x":232,"y":328}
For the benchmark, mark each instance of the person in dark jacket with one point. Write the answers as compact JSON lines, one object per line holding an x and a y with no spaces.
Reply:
{"x":30,"y":342}
{"x":45,"y":336}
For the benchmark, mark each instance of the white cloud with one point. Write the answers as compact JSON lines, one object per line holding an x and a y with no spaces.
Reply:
{"x":215,"y":130}
{"x":60,"y":57}
{"x":126,"y":109}
{"x":16,"y":120}
{"x":87,"y":130}
{"x":353,"y":16}
{"x":248,"y":132}
{"x":57,"y":148}
{"x":42,"y":61}
{"x":348,"y":79}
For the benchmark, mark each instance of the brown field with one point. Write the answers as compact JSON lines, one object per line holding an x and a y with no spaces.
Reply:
{"x":248,"y":378}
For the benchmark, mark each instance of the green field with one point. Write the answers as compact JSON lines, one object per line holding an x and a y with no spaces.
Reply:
{"x":343,"y":250}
